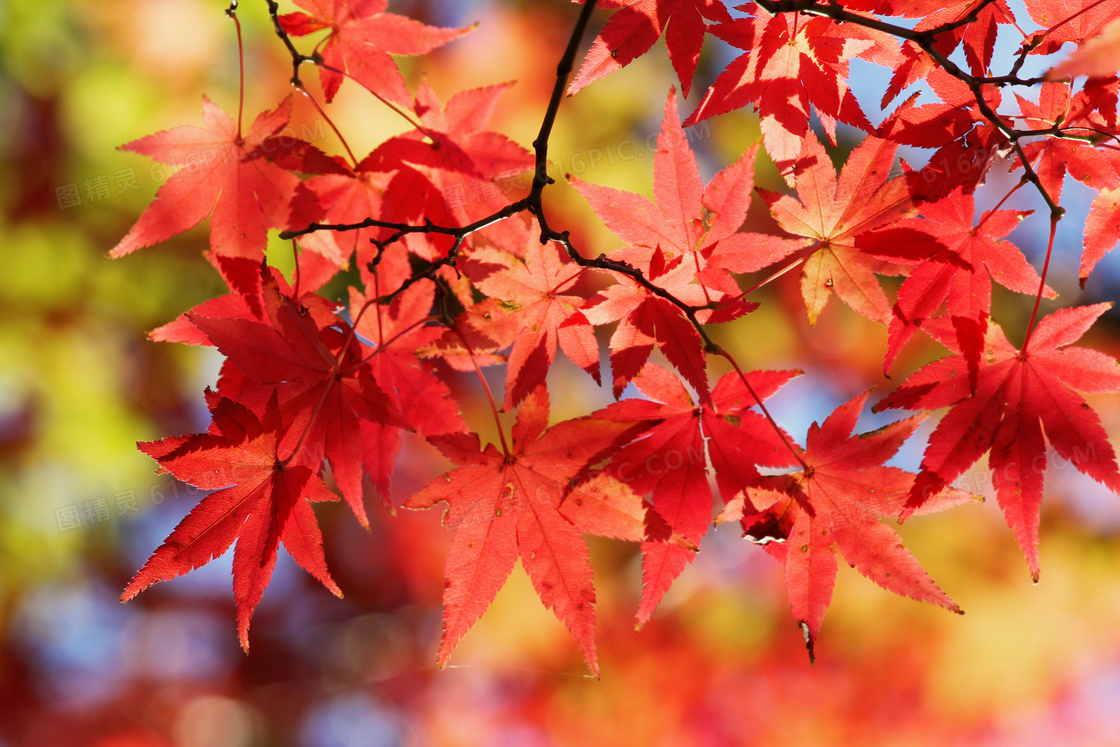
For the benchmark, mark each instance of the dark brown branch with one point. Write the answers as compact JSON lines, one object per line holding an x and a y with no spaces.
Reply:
{"x":925,"y":40}
{"x":541,"y":178}
{"x":297,"y":57}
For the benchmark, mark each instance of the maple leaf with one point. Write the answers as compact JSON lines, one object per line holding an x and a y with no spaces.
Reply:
{"x":396,"y":332}
{"x":605,"y":506}
{"x":633,"y":30}
{"x":1097,"y":57}
{"x":837,"y":503}
{"x":347,"y":198}
{"x":362,"y":36}
{"x":791,"y":63}
{"x":255,"y":282}
{"x":688,"y":242}
{"x":504,"y":505}
{"x":961,"y":274}
{"x":528,"y":308}
{"x":1067,"y":21}
{"x":327,"y":387}
{"x":260,"y":500}
{"x":224,"y":175}
{"x":1019,"y":393}
{"x":1102,"y":230}
{"x":1053,"y":158}
{"x":977,"y":37}
{"x":836,"y":213}
{"x":452,"y":170}
{"x":966,"y":142}
{"x":669,"y":462}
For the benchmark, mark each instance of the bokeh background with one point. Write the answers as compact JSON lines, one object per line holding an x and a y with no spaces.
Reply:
{"x":721,"y":664}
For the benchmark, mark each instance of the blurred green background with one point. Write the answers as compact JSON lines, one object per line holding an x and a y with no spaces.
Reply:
{"x":722,"y":663}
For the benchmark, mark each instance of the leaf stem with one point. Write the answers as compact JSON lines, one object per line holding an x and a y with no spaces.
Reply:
{"x":231,"y":13}
{"x":758,"y":400}
{"x":1041,"y":283}
{"x":485,"y":388}
{"x":988,"y":214}
{"x":329,"y":121}
{"x":804,"y":255}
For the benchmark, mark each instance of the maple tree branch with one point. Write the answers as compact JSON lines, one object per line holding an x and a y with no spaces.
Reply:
{"x":564,"y":67}
{"x":925,"y":40}
{"x":963,"y":21}
{"x":298,"y":58}
{"x":400,"y":230}
{"x":541,"y":179}
{"x":1091,"y":139}
{"x":1025,"y":49}
{"x":403,"y":229}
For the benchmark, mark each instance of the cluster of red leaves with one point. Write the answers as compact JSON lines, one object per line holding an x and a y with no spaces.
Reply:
{"x":314,"y":392}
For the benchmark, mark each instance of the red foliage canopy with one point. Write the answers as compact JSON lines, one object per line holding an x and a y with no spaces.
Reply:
{"x":316,"y":388}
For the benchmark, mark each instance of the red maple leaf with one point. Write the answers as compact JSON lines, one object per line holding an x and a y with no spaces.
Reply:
{"x":396,"y":331}
{"x":688,"y":242}
{"x":837,"y":503}
{"x":1102,"y":230}
{"x":633,"y":30}
{"x":1098,"y":57}
{"x":452,"y":170}
{"x":347,"y":198}
{"x":234,"y":179}
{"x":1018,"y":394}
{"x":967,"y":143}
{"x":505,"y":505}
{"x":962,"y":274}
{"x":325,"y":382}
{"x":1067,"y":21}
{"x":669,"y":464}
{"x":528,"y":308}
{"x":362,"y":36}
{"x":791,"y":63}
{"x":1053,"y":158}
{"x":837,"y":213}
{"x":605,"y":506}
{"x":260,"y":499}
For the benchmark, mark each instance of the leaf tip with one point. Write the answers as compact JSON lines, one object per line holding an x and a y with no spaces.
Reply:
{"x":805,"y":631}
{"x":906,"y":512}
